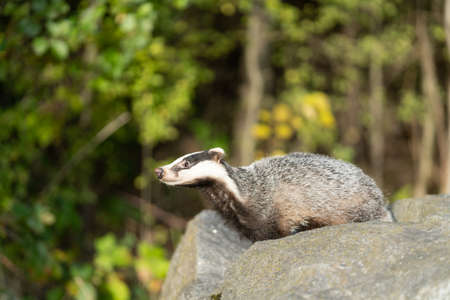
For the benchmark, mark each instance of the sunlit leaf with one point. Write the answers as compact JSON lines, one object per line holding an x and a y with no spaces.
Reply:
{"x":59,"y":48}
{"x":116,"y":288}
{"x":151,"y":260}
{"x":40,"y":45}
{"x":85,"y":290}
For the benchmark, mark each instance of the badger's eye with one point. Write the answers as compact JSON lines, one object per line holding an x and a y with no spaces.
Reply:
{"x":186,"y":164}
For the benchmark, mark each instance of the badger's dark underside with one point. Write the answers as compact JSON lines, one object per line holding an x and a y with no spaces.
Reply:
{"x":248,"y":221}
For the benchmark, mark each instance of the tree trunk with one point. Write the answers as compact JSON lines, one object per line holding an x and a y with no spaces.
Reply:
{"x":252,"y":92}
{"x":430,"y":89}
{"x":376,"y":129}
{"x":425,"y":156}
{"x":446,"y":183}
{"x":446,"y":188}
{"x":350,"y":119}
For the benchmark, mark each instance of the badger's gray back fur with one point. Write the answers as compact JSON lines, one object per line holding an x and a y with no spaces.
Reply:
{"x":282,"y":195}
{"x":301,"y":191}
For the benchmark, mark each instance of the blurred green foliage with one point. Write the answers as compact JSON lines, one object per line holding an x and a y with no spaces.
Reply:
{"x":68,"y":69}
{"x":75,"y":66}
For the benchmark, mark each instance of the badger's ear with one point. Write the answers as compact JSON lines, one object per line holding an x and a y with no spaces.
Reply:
{"x":216,"y":153}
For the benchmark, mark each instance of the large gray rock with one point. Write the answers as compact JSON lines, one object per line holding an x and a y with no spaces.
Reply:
{"x":417,"y":210}
{"x":198,"y":265}
{"x":351,"y":261}
{"x":374,"y":260}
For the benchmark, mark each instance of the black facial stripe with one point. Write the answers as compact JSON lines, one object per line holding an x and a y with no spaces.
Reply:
{"x":193,"y":160}
{"x":198,"y":157}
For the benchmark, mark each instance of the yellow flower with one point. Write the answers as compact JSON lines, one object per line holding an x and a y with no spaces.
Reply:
{"x":320,"y":101}
{"x":317,"y":100}
{"x":281,"y":112}
{"x":327,"y":119}
{"x":315,"y":106}
{"x":261,"y":131}
{"x":283,"y":131}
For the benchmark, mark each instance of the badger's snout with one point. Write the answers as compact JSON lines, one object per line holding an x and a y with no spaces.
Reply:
{"x":159,"y":172}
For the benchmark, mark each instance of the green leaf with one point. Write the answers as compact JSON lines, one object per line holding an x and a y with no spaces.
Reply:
{"x":59,"y":29}
{"x":40,"y":45}
{"x":129,"y":23}
{"x":29,"y":27}
{"x":181,"y":4}
{"x":2,"y":43}
{"x":153,"y":259}
{"x":55,"y":293}
{"x":86,"y":291}
{"x":116,"y":288}
{"x":83,"y":271}
{"x":110,"y":254}
{"x":60,"y":48}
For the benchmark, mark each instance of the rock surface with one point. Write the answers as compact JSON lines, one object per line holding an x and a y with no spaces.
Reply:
{"x":417,"y":210}
{"x":358,"y":261}
{"x":198,"y":265}
{"x":375,"y":260}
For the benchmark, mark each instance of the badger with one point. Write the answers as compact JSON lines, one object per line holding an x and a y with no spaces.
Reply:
{"x":281,"y":195}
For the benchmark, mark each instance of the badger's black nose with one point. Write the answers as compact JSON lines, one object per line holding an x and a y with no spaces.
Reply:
{"x":159,"y":173}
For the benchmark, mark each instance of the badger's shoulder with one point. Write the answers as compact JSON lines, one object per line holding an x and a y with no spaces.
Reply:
{"x":311,"y":170}
{"x":306,"y":162}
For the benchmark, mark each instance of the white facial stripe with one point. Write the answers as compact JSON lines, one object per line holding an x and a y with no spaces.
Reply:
{"x":176,"y":161}
{"x":217,"y":149}
{"x":231,"y":186}
{"x":204,"y":169}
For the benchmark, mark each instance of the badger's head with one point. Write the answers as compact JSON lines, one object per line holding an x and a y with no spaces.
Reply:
{"x":194,"y":169}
